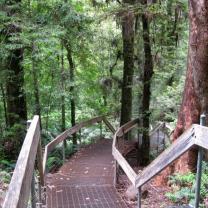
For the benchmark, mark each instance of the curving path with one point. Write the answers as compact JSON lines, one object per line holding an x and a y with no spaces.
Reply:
{"x":86,"y":180}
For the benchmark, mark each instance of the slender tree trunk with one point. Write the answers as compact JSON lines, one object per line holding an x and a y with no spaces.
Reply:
{"x":128,"y":70}
{"x":72,"y":95}
{"x":4,"y":104}
{"x":63,"y":111}
{"x":147,"y":76}
{"x":195,"y":96}
{"x":49,"y":101}
{"x":36,"y":85}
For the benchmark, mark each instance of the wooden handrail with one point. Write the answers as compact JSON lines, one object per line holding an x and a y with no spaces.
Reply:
{"x":195,"y":135}
{"x":19,"y":187}
{"x":69,"y":132}
{"x":158,"y":126}
{"x":118,"y":156}
{"x":179,"y":147}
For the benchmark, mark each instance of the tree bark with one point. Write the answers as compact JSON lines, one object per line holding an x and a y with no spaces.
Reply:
{"x":16,"y":103}
{"x":147,"y":76}
{"x":128,"y":70}
{"x":36,"y":85}
{"x":4,"y":104}
{"x":15,"y":94}
{"x":16,"y":99}
{"x":63,"y":111}
{"x":195,"y":96}
{"x":72,"y":95}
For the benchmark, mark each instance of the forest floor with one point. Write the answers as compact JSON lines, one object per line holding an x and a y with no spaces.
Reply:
{"x":153,"y":196}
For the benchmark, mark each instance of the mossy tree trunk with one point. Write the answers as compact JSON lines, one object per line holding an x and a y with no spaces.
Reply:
{"x":147,"y":76}
{"x":128,"y":19}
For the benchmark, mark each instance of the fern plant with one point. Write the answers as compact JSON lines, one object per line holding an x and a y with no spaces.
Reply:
{"x":183,"y":186}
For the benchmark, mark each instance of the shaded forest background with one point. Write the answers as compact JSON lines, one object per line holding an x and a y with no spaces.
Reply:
{"x":64,"y":61}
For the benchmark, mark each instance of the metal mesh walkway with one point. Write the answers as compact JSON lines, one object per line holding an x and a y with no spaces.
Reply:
{"x":85,"y":181}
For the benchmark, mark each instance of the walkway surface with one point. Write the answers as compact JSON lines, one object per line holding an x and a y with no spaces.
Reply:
{"x":86,"y":180}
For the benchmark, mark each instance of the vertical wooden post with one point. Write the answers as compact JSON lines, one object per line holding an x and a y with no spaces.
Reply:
{"x":139,"y":196}
{"x":40,"y":163}
{"x":199,"y":167}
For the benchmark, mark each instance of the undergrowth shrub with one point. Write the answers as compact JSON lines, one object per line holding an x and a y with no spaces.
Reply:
{"x":183,"y":187}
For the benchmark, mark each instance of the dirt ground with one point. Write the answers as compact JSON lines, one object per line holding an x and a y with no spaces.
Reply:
{"x":153,"y":196}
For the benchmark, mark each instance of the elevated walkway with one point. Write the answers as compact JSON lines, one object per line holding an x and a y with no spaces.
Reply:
{"x":86,"y":180}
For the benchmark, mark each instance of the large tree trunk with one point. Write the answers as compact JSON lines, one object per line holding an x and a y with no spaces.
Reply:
{"x":16,"y":103}
{"x":128,"y":53}
{"x":15,"y":95}
{"x":147,"y":76}
{"x":195,"y":96}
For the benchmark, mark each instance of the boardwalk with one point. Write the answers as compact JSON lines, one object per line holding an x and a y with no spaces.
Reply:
{"x":85,"y":181}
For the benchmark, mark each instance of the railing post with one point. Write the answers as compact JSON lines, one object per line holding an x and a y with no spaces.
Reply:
{"x":115,"y":179}
{"x":199,"y":167}
{"x":39,"y":205}
{"x":33,"y":199}
{"x":139,"y":197}
{"x":63,"y":150}
{"x":40,"y":163}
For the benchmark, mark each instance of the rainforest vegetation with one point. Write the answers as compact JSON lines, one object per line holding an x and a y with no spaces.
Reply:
{"x":71,"y":60}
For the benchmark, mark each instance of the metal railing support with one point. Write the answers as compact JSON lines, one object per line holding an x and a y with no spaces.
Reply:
{"x":139,"y":197}
{"x":39,"y":191}
{"x":115,"y":179}
{"x":64,"y":150}
{"x":39,"y":205}
{"x":199,"y":167}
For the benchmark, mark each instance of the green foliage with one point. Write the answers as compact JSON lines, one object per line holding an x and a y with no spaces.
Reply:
{"x":96,"y":45}
{"x":55,"y":160}
{"x":183,"y":186}
{"x":5,"y":177}
{"x":182,"y":180}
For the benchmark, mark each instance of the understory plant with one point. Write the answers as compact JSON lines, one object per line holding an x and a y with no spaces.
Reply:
{"x":183,"y":187}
